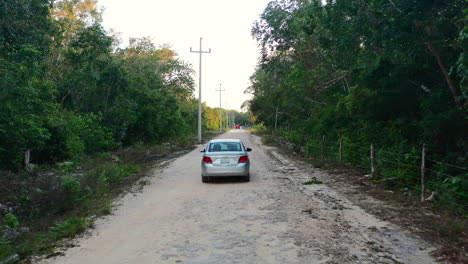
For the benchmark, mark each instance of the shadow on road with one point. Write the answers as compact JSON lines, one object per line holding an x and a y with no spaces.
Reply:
{"x":226,"y":179}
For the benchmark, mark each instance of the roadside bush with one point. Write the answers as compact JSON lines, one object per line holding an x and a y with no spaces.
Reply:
{"x":106,"y":174}
{"x":74,"y":135}
{"x":11,"y":220}
{"x":5,"y":249}
{"x":259,"y":129}
{"x":72,"y":192}
{"x":68,"y":228}
{"x":453,"y":192}
{"x":44,"y":242}
{"x":269,"y":140}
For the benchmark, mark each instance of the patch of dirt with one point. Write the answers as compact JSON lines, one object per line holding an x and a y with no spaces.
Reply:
{"x":432,"y":224}
{"x":424,"y":220}
{"x":274,"y":218}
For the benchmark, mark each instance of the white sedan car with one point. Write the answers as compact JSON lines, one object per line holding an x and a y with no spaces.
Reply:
{"x":225,"y":157}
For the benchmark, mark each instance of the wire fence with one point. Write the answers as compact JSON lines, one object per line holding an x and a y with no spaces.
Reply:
{"x":412,"y":170}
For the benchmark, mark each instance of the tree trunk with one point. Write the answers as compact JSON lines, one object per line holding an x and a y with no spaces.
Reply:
{"x":453,"y":90}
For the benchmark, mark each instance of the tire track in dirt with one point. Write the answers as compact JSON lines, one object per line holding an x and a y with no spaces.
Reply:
{"x":272,"y":219}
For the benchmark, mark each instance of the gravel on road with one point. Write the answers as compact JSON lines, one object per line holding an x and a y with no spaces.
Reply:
{"x":274,"y":218}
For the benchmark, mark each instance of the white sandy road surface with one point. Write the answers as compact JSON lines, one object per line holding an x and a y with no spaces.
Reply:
{"x":271,"y":219}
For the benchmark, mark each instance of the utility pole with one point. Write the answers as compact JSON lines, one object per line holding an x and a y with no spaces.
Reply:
{"x":227,"y":112}
{"x":199,"y":90}
{"x":233,"y":118}
{"x":220,"y":111}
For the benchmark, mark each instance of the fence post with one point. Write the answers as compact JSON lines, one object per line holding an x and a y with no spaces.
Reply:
{"x":423,"y":171}
{"x":341,"y":150}
{"x":323,"y":148}
{"x":372,"y":160}
{"x":27,"y":159}
{"x":276,"y":120}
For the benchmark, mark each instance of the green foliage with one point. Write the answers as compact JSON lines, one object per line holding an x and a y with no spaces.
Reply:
{"x":106,"y":175}
{"x":367,"y":74}
{"x":43,"y":242}
{"x":68,"y":228}
{"x":6,"y":249}
{"x":25,"y":103}
{"x":11,"y":220}
{"x":107,"y":209}
{"x":453,"y":229}
{"x":67,"y":93}
{"x":72,"y":192}
{"x":74,"y":135}
{"x":312,"y":181}
{"x":24,"y":22}
{"x":72,"y":95}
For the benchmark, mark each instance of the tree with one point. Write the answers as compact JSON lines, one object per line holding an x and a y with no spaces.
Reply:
{"x":25,"y":97}
{"x":387,"y":72}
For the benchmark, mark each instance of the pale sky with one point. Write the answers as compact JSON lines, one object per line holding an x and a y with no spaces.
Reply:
{"x":224,"y":26}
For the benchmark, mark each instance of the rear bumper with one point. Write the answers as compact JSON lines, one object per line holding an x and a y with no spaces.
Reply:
{"x":241,"y":169}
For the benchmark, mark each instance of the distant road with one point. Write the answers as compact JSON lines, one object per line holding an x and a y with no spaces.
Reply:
{"x":274,"y":218}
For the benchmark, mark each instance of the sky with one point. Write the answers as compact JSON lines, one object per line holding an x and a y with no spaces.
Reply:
{"x":224,"y":25}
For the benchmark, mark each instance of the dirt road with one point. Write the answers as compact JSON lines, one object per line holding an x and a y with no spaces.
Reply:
{"x":274,"y":218}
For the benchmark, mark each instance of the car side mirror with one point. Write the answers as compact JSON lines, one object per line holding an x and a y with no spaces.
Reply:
{"x":202,"y":150}
{"x":248,"y":149}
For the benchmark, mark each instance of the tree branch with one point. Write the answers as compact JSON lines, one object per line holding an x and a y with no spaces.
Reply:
{"x":393,"y":4}
{"x":313,"y":101}
{"x":454,"y":91}
{"x":331,"y":82}
{"x":63,"y":99}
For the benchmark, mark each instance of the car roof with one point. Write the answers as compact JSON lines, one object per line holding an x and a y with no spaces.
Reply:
{"x":224,"y":140}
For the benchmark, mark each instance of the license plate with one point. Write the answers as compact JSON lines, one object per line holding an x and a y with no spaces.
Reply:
{"x":225,"y":161}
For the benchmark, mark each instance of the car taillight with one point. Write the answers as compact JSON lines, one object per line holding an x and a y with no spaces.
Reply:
{"x":243,"y":159}
{"x":207,"y":160}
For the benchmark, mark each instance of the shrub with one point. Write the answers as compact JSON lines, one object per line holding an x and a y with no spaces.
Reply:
{"x":74,"y":135}
{"x":11,"y":220}
{"x":5,"y":249}
{"x":68,"y":228}
{"x":72,"y":192}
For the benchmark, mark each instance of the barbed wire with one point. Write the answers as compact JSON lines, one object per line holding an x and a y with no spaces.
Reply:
{"x":440,"y":186}
{"x":358,"y":158}
{"x":376,"y":149}
{"x":401,"y":156}
{"x":399,"y":164}
{"x":359,"y":154}
{"x":452,"y":191}
{"x":397,"y":154}
{"x":447,"y":175}
{"x":408,"y":176}
{"x":450,"y":165}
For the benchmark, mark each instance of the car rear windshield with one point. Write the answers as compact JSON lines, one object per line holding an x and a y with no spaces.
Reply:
{"x":225,"y":146}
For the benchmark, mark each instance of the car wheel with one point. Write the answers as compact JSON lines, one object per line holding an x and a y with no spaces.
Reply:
{"x":204,"y":179}
{"x":247,"y":178}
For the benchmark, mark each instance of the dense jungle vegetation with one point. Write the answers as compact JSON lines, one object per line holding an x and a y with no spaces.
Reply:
{"x":68,"y":89}
{"x":385,"y":72}
{"x":89,"y":113}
